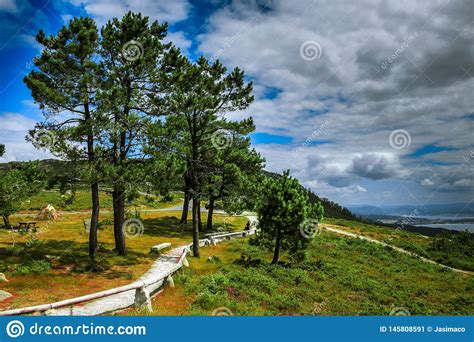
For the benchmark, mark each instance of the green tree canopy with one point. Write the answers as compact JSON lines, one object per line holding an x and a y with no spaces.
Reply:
{"x":139,"y":68}
{"x":16,"y":186}
{"x":286,"y":217}
{"x":233,"y":173}
{"x":200,"y":98}
{"x":65,"y":84}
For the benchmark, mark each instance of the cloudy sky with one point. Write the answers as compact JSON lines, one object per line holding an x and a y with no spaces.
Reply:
{"x":367,"y":102}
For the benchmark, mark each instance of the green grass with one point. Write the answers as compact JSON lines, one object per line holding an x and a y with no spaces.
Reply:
{"x":460,"y":257}
{"x":342,"y":276}
{"x":54,"y":264}
{"x":82,"y":201}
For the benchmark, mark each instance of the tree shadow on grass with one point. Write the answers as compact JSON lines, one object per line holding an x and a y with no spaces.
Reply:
{"x":69,"y":255}
{"x":169,"y":226}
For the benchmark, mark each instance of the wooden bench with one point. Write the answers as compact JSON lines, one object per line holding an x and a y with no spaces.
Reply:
{"x":26,"y":226}
{"x":158,"y":248}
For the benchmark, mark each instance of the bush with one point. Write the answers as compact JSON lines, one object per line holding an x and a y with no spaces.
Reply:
{"x":35,"y":267}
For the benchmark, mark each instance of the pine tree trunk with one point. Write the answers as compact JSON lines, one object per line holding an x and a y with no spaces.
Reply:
{"x":94,"y":226}
{"x":198,"y":209}
{"x":119,"y":219}
{"x":195,"y":227}
{"x":184,"y":214}
{"x":210,"y":212}
{"x":6,"y":221}
{"x":276,"y":255}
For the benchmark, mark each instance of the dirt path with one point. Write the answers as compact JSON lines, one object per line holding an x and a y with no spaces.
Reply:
{"x":398,"y":249}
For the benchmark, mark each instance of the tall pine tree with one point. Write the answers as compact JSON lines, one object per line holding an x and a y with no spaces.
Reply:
{"x":65,"y":84}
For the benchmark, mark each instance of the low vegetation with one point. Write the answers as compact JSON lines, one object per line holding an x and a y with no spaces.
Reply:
{"x":56,"y":261}
{"x":341,"y":276}
{"x":455,"y":250}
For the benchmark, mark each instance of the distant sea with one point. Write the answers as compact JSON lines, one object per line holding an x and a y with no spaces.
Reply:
{"x":453,"y":226}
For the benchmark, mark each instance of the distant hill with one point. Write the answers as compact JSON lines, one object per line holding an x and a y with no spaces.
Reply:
{"x":458,"y":209}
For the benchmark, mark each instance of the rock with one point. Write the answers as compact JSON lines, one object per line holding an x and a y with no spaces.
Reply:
{"x":214,"y":259}
{"x":3,"y":279}
{"x":49,"y":213}
{"x":4,"y":295}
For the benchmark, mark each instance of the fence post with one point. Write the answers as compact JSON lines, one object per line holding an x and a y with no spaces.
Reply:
{"x":143,"y":299}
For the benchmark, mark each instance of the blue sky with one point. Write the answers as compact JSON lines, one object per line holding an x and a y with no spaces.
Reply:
{"x":365,"y":104}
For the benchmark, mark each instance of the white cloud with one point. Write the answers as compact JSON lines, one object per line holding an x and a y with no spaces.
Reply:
{"x":161,"y":10}
{"x":427,"y":182}
{"x":8,"y":5}
{"x":348,"y":97}
{"x":14,"y":127}
{"x":179,"y":40}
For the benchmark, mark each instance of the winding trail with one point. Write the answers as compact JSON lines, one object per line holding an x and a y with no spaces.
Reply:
{"x":398,"y":249}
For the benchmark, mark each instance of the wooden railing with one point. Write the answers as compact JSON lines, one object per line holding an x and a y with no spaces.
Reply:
{"x":44,"y":308}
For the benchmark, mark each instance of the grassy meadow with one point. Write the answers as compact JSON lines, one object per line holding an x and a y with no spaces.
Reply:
{"x":340,"y":276}
{"x":54,"y":264}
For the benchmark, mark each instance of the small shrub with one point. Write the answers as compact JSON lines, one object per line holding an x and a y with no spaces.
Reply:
{"x":36,"y":267}
{"x":167,"y":198}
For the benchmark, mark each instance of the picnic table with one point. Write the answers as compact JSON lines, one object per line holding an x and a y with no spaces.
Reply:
{"x":26,"y":226}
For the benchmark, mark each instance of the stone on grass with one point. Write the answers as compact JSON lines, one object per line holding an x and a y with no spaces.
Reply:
{"x":3,"y":279}
{"x":4,"y":295}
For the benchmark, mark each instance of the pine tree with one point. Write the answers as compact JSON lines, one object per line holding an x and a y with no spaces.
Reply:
{"x":286,"y":217}
{"x":200,"y":98}
{"x":65,"y":85}
{"x":139,"y":67}
{"x":234,"y":172}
